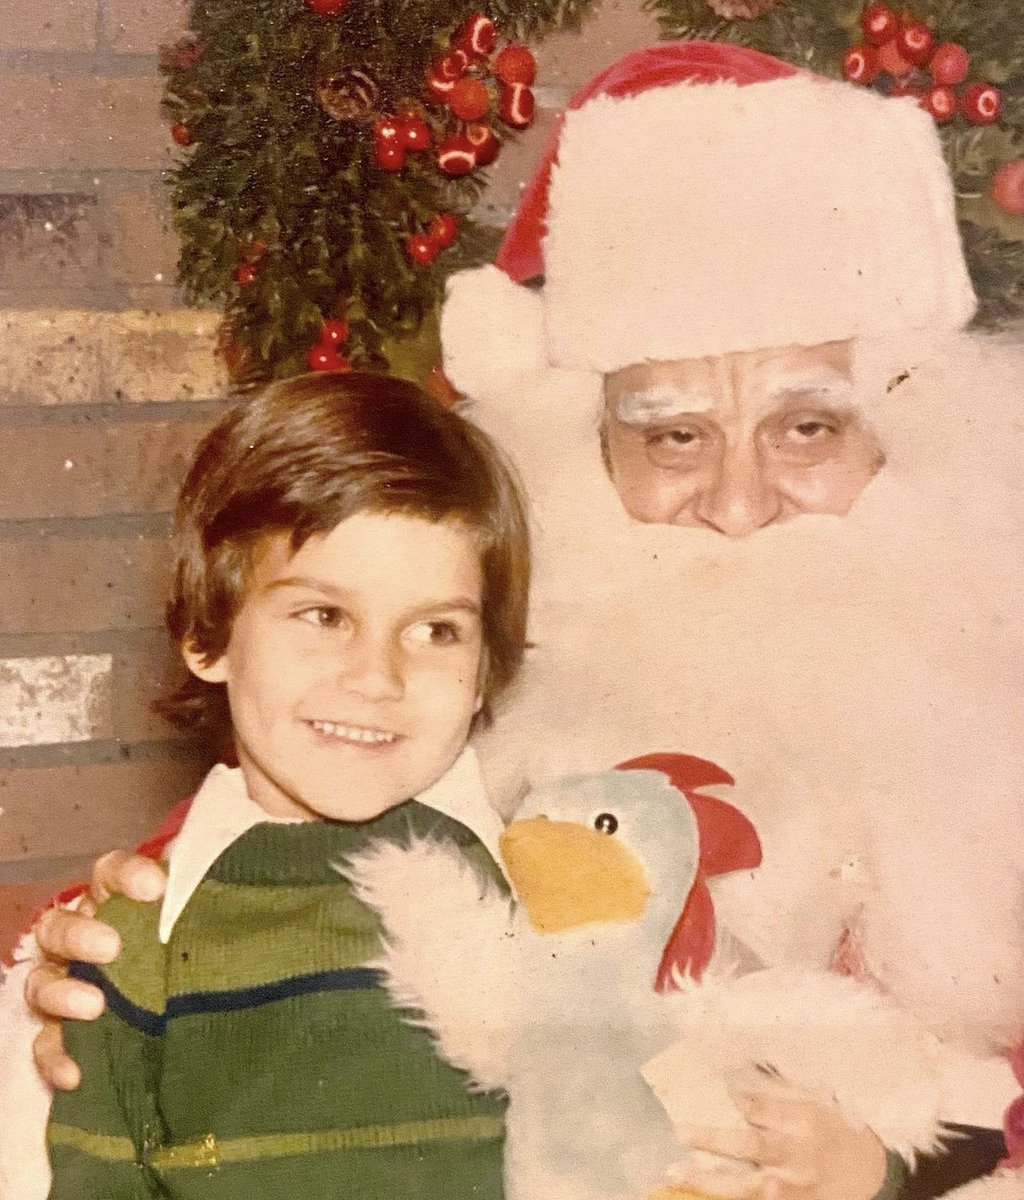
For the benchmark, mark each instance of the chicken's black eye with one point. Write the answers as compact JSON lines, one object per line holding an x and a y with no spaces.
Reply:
{"x":606,"y":823}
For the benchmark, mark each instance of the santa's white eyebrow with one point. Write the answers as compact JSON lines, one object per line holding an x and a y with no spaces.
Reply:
{"x":660,"y":402}
{"x":832,"y":386}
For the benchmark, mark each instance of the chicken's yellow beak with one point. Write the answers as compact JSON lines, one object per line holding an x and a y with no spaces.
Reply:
{"x":566,"y":875}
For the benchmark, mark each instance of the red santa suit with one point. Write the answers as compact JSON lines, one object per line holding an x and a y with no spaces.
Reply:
{"x":858,"y":675}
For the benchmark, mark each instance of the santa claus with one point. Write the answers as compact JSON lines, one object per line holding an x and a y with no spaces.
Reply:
{"x":777,"y":500}
{"x":777,"y":493}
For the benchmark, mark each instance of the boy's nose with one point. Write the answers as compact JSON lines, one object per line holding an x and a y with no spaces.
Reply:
{"x":741,"y":497}
{"x":372,"y":669}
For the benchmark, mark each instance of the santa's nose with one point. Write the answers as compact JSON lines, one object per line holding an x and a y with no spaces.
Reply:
{"x":741,"y":496}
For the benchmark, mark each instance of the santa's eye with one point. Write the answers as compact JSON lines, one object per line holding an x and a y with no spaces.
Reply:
{"x":606,"y":823}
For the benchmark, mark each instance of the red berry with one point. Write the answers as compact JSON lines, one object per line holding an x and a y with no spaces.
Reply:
{"x":981,"y":103}
{"x":456,"y":156}
{"x":334,"y":332}
{"x":181,"y":133}
{"x":940,"y":101}
{"x":254,"y":249}
{"x":387,"y":129}
{"x":485,"y":143}
{"x":879,"y":23}
{"x":915,"y":42}
{"x":476,"y":34}
{"x":515,"y":64}
{"x":245,"y":273}
{"x":860,"y":64}
{"x":325,"y":8}
{"x":416,"y":135}
{"x":516,"y":105}
{"x":421,"y":248}
{"x":390,"y":156}
{"x":443,"y":230}
{"x":325,"y":357}
{"x":438,"y":85}
{"x":891,"y":59}
{"x":470,"y":100}
{"x":453,"y":64}
{"x":1007,"y":188}
{"x":949,"y":64}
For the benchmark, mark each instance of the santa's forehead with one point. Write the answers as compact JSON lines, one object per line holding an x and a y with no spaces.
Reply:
{"x":752,"y":382}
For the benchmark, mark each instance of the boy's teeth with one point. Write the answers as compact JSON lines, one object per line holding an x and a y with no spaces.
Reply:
{"x":353,"y":733}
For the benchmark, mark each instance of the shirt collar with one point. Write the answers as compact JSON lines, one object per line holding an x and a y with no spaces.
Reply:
{"x":222,"y":811}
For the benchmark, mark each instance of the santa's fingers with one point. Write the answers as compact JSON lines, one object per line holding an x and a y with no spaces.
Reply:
{"x":725,"y":1180}
{"x":51,"y":993}
{"x":65,"y":935}
{"x":56,"y":1067}
{"x":748,"y":1144}
{"x":122,"y":874}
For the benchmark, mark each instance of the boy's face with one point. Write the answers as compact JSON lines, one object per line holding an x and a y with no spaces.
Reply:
{"x":353,"y":668}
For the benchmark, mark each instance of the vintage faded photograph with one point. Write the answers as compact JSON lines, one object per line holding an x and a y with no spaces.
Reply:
{"x":511,"y":652}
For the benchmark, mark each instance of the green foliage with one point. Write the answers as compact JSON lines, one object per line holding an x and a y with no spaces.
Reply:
{"x":272,"y":178}
{"x":816,"y":33}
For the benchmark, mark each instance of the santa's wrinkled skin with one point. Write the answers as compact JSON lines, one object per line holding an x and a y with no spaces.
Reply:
{"x":859,"y":675}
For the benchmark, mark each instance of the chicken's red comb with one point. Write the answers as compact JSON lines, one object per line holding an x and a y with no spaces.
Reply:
{"x":728,"y":842}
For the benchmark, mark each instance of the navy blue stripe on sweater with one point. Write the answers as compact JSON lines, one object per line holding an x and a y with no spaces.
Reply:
{"x":342,"y":979}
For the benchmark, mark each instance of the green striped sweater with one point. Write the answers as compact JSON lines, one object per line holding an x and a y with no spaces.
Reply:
{"x":256,"y":1057}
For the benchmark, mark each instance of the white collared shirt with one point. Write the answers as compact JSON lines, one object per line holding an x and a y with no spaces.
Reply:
{"x":222,"y":811}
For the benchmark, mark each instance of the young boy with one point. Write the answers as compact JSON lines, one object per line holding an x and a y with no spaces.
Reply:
{"x":351,"y":573}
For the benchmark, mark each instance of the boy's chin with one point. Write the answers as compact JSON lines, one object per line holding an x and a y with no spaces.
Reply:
{"x":349,"y":809}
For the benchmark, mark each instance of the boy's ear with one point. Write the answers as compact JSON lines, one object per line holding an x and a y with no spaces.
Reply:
{"x":200,"y":666}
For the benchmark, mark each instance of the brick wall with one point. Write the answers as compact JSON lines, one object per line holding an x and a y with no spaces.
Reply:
{"x":105,"y":384}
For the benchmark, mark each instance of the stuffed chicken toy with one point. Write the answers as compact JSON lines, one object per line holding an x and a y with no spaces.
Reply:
{"x":601,"y":998}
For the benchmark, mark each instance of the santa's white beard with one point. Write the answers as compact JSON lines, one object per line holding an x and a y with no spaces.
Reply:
{"x":859,"y":677}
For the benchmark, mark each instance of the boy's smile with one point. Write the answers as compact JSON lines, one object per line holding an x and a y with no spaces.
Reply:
{"x":353,"y":667}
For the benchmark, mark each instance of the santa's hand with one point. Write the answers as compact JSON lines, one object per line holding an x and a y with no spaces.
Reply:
{"x":802,"y":1146}
{"x":62,"y":935}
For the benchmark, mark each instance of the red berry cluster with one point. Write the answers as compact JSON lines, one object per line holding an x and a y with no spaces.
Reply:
{"x":902,"y":47}
{"x":395,"y":136}
{"x":249,"y":255}
{"x":325,"y":8}
{"x":463,"y":80}
{"x":325,"y":355}
{"x":423,"y":247}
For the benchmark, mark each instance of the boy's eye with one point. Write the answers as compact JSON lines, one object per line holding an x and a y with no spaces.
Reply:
{"x":324,"y":616}
{"x":435,"y":633}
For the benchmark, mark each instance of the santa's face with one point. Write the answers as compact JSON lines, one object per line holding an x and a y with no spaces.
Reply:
{"x":738,"y":442}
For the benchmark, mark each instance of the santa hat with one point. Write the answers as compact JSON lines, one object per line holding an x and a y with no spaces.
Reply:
{"x":698,"y":199}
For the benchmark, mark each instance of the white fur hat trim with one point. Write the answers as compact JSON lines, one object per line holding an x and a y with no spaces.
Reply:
{"x":697,"y":220}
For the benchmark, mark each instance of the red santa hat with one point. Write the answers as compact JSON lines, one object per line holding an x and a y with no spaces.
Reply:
{"x":698,"y":199}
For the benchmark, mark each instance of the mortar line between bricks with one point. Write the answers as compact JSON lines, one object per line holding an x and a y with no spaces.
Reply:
{"x":94,"y":63}
{"x":114,"y":526}
{"x":126,"y":412}
{"x":101,"y":754}
{"x":95,"y":298}
{"x":62,"y":179}
{"x":118,"y":643}
{"x":32,"y":870}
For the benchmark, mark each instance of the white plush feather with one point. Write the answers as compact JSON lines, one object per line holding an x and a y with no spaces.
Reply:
{"x":443,"y":955}
{"x":818,"y":1030}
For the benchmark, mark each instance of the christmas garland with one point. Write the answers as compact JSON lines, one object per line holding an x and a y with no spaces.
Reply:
{"x":333,"y":150}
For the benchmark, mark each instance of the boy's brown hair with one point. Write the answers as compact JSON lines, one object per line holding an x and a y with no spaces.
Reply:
{"x":303,"y":456}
